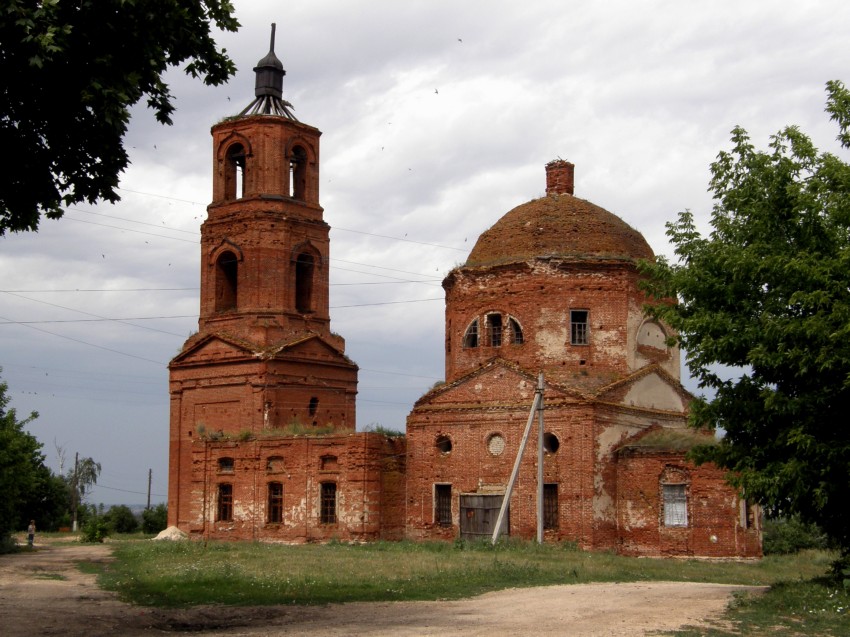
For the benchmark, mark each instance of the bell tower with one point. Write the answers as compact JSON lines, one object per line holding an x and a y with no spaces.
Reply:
{"x":264,"y":362}
{"x":265,"y":244}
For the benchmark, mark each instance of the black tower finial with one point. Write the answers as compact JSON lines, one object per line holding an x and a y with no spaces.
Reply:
{"x":268,"y":88}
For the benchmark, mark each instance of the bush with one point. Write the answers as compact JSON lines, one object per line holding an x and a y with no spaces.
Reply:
{"x":156,"y":519}
{"x":783,"y":536}
{"x":121,"y":519}
{"x":96,"y":529}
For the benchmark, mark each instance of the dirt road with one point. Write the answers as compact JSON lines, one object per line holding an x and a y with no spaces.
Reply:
{"x":43,"y":593}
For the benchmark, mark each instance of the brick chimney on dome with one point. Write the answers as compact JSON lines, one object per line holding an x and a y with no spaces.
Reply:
{"x":560,"y":176}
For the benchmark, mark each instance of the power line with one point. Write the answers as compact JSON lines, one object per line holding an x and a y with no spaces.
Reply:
{"x":96,"y":316}
{"x":76,"y":340}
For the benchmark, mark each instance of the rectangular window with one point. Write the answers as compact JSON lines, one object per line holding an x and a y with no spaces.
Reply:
{"x":550,"y":506}
{"x":675,"y":505}
{"x":494,"y":330}
{"x":443,"y":504}
{"x":275,"y":503}
{"x":225,"y":503}
{"x":578,"y":327}
{"x":327,"y":512}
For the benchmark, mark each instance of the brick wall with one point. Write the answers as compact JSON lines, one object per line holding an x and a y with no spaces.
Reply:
{"x":718,"y":523}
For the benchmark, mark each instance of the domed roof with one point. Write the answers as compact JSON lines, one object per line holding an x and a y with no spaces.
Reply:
{"x":559,"y":225}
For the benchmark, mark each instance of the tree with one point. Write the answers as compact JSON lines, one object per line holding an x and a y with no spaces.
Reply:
{"x":121,"y":519}
{"x":155,"y":519}
{"x":763,"y":315}
{"x":80,"y":478}
{"x":20,"y":464}
{"x":71,"y":70}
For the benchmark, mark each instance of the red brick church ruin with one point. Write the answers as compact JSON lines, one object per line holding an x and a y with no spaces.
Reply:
{"x":263,"y":443}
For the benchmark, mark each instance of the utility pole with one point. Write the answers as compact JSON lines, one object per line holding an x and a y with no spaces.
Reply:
{"x":540,"y":460}
{"x":150,"y":477}
{"x":74,"y":492}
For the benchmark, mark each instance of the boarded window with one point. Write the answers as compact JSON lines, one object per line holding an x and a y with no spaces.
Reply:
{"x":550,"y":506}
{"x":224,"y":512}
{"x":470,"y":339}
{"x":578,"y":327}
{"x":275,"y":506}
{"x":327,"y":505}
{"x":274,"y":464}
{"x":675,"y":505}
{"x":443,"y":504}
{"x":329,"y":463}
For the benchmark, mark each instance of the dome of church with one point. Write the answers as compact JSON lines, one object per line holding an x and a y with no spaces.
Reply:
{"x":559,"y":225}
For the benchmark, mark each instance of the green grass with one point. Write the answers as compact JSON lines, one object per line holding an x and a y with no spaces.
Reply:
{"x":787,"y":609}
{"x":189,"y":573}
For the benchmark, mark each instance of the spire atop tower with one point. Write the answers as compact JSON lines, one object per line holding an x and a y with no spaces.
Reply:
{"x":268,"y":88}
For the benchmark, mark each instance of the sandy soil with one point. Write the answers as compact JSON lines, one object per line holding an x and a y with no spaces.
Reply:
{"x":43,"y":593}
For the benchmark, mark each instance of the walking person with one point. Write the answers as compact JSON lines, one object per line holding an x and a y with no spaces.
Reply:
{"x":31,"y":533}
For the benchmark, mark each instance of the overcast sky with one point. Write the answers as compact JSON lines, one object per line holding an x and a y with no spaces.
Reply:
{"x":437,"y":118}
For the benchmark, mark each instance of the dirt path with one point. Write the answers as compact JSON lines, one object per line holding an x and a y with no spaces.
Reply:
{"x":43,"y":593}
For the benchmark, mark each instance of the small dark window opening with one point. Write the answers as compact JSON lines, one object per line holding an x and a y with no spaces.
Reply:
{"x":225,"y":503}
{"x":515,"y":331}
{"x":494,"y":330}
{"x":298,"y":173}
{"x":470,"y":339}
{"x":275,"y":502}
{"x":304,"y":283}
{"x":226,"y":281}
{"x":327,"y":507}
{"x":444,"y":444}
{"x":551,"y":444}
{"x":578,"y":327}
{"x":225,"y":465}
{"x":314,"y":405}
{"x":550,"y":506}
{"x":443,"y":504}
{"x":234,"y":172}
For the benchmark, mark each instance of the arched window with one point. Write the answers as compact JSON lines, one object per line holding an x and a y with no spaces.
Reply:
{"x":470,"y":339}
{"x":515,"y":331}
{"x":314,"y":405}
{"x":234,"y":172}
{"x":226,"y":281}
{"x":298,"y":173}
{"x":304,"y":266}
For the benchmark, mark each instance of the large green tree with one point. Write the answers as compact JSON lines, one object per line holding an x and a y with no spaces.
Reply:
{"x":21,"y":466}
{"x":70,"y":71}
{"x":763,"y":314}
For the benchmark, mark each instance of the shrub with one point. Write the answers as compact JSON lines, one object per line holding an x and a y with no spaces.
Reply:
{"x":156,"y":519}
{"x":789,"y":535}
{"x":95,"y":529}
{"x":121,"y":519}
